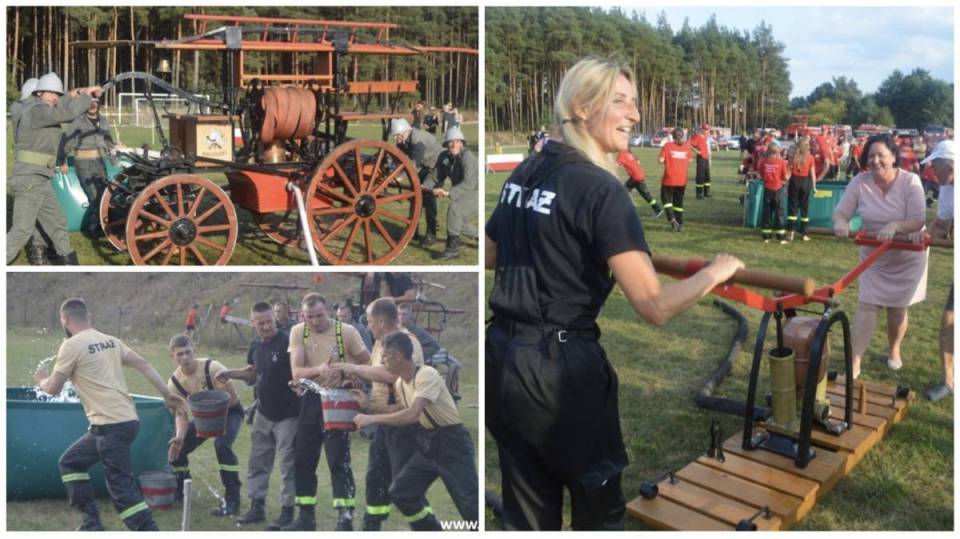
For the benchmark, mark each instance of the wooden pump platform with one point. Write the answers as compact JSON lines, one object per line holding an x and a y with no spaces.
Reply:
{"x":711,"y":495}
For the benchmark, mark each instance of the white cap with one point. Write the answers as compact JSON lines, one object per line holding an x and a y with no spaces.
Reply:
{"x":944,"y":150}
{"x":50,"y":83}
{"x":399,"y":125}
{"x":28,"y":87}
{"x":454,"y":133}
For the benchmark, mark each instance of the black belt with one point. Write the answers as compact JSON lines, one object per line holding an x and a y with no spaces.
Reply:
{"x":522,"y":329}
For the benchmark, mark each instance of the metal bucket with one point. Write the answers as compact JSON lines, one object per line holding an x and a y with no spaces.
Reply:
{"x":159,"y":489}
{"x":209,"y":409}
{"x":340,"y":406}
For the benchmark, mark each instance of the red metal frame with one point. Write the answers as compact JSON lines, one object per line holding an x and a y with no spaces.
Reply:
{"x":823,"y":295}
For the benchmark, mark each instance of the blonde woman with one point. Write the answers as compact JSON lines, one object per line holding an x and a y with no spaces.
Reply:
{"x":562,"y":225}
{"x":803,"y":181}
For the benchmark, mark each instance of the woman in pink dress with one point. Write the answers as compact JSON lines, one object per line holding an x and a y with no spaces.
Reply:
{"x":890,"y":201}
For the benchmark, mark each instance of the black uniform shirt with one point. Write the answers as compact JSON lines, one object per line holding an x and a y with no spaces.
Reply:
{"x":576,"y":219}
{"x":398,"y":283}
{"x":272,"y":362}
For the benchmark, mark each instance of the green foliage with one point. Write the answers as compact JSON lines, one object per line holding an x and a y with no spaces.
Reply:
{"x":917,"y":99}
{"x":827,"y":111}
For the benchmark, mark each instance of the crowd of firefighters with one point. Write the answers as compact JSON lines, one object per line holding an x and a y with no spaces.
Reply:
{"x":407,"y":409}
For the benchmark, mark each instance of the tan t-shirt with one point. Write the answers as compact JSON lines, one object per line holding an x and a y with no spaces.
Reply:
{"x":321,"y":347}
{"x":198,"y":380}
{"x":428,"y":384}
{"x":93,"y":362}
{"x":380,"y":393}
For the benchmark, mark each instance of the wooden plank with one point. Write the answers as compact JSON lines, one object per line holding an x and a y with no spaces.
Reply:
{"x":884,"y":412}
{"x":873,"y":387}
{"x":715,"y":505}
{"x":827,"y":468}
{"x":864,"y":420}
{"x":770,"y":477}
{"x":872,"y":398}
{"x":856,"y":441}
{"x":755,"y":495}
{"x":663,"y":514}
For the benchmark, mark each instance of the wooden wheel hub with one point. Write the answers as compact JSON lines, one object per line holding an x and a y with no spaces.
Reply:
{"x":365,"y":206}
{"x":183,"y":232}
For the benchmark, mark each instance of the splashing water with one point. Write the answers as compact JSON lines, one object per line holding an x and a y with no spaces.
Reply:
{"x":213,"y":491}
{"x":67,"y":394}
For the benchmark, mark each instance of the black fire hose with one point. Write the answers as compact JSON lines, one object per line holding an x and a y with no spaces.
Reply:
{"x":705,"y":398}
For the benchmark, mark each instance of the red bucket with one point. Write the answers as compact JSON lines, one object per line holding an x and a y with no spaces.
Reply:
{"x":209,"y":409}
{"x":340,"y":406}
{"x":159,"y":489}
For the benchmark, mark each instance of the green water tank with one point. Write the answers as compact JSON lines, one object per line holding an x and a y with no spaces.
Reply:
{"x":822,"y":204}
{"x":71,"y":197}
{"x":753,"y":204}
{"x":39,"y":432}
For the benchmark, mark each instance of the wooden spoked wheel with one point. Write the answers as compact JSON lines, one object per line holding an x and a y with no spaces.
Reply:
{"x":363,"y":203}
{"x":114,"y":208}
{"x":181,"y":219}
{"x":282,"y":227}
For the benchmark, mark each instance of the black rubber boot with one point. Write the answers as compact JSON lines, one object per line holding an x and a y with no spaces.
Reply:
{"x":428,"y":240}
{"x":256,"y":514}
{"x":284,"y":520}
{"x":69,"y":259}
{"x":372,"y":523}
{"x":306,"y":521}
{"x":344,"y":519}
{"x":452,"y":251}
{"x":428,"y":523}
{"x":699,"y":193}
{"x":91,"y":518}
{"x":230,"y":504}
{"x":36,"y":254}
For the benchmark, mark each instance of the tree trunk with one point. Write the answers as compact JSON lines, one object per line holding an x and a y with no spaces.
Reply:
{"x":16,"y":43}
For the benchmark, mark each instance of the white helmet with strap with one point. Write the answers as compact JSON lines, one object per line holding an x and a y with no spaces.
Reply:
{"x":28,"y":88}
{"x":50,"y":83}
{"x":454,"y":133}
{"x":398,"y":126}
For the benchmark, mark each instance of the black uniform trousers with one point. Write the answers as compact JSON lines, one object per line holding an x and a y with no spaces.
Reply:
{"x":390,"y":449}
{"x":553,"y":409}
{"x":93,"y":178}
{"x":773,"y":213}
{"x":447,"y":453}
{"x":110,"y":446}
{"x":226,"y":458}
{"x":429,"y":201}
{"x":673,"y":202}
{"x":644,"y":192}
{"x":307,"y":445}
{"x":703,"y":176}
{"x":798,"y":205}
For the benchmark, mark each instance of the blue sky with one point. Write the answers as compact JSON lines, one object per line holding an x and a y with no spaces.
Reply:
{"x":865,"y":44}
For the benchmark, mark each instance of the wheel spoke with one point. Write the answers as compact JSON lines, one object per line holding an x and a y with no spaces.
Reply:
{"x":383,"y":232}
{"x":344,"y":179}
{"x":163,"y":204}
{"x":167,"y":257}
{"x":367,"y":240}
{"x":206,"y":215}
{"x":214,"y":228}
{"x":196,"y":204}
{"x":152,"y":236}
{"x":335,"y":229}
{"x":349,"y":244}
{"x":213,"y":245}
{"x":386,"y":181}
{"x":376,"y":167}
{"x":183,"y":256}
{"x":396,"y":198}
{"x":155,"y":218}
{"x":326,"y":190}
{"x":118,"y":222}
{"x":390,"y":215}
{"x":179,"y":199}
{"x":196,"y":253}
{"x":334,"y":211}
{"x":359,"y":164}
{"x":156,"y":250}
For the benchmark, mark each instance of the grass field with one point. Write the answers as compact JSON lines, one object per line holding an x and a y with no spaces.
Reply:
{"x":904,"y":483}
{"x":253,"y":248}
{"x":25,"y":347}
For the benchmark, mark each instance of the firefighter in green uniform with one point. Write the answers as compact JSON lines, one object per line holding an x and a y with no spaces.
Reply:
{"x":422,"y":148}
{"x":36,"y":252}
{"x":37,"y":138}
{"x":460,"y":165}
{"x":88,"y":137}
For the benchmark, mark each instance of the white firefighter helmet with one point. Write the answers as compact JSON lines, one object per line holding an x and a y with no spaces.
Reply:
{"x":28,"y":87}
{"x":50,"y":83}
{"x":398,"y":126}
{"x":454,"y":133}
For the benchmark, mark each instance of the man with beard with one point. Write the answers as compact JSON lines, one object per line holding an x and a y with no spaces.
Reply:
{"x":93,"y":362}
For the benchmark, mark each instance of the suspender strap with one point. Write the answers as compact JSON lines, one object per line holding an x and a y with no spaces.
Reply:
{"x":403,"y":395}
{"x":179,"y":386}
{"x":206,"y":373}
